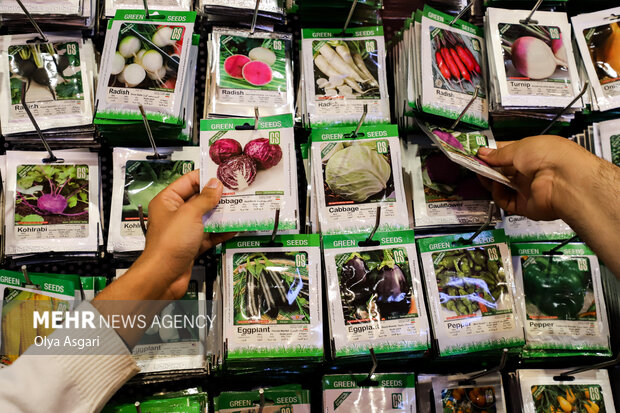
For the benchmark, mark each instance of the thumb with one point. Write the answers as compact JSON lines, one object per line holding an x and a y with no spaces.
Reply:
{"x":208,"y":197}
{"x":498,"y":157}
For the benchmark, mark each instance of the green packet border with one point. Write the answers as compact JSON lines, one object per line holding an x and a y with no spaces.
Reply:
{"x":230,"y":124}
{"x":343,"y":133}
{"x":441,"y":17}
{"x":401,"y":237}
{"x":351,"y":381}
{"x":140,"y":15}
{"x":539,"y":248}
{"x":337,"y":33}
{"x":45,"y":281}
{"x":312,"y":241}
{"x":496,"y":236}
{"x":278,"y":396}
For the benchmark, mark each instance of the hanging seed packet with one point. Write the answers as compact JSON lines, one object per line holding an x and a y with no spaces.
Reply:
{"x":342,"y":74}
{"x":111,"y":6}
{"x":283,"y":399}
{"x":270,"y":6}
{"x":522,"y":229}
{"x":562,"y":304}
{"x":387,"y":392}
{"x":186,"y":401}
{"x":355,"y":175}
{"x":91,"y":286}
{"x":454,"y":66}
{"x":598,"y":38}
{"x":534,"y":62}
{"x":458,"y":393}
{"x":137,"y":180}
{"x":609,"y":138}
{"x":375,"y":294}
{"x":64,"y":7}
{"x":258,"y":170}
{"x":272,"y":298}
{"x":144,"y":62}
{"x":52,"y":207}
{"x":589,"y":391}
{"x":251,"y":70}
{"x":56,"y":78}
{"x":470,"y":290}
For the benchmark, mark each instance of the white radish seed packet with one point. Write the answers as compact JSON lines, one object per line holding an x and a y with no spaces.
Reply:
{"x":111,"y":6}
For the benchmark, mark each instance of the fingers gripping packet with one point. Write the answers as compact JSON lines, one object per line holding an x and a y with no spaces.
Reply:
{"x":470,"y":290}
{"x":272,"y":298}
{"x":354,"y":176}
{"x":258,"y":170}
{"x":137,"y":180}
{"x":588,"y":392}
{"x":52,"y":207}
{"x":454,"y":66}
{"x":144,"y":62}
{"x":342,"y":74}
{"x":276,"y":400}
{"x":389,"y":392}
{"x":375,"y":294}
{"x":562,"y":304}
{"x":458,"y":393}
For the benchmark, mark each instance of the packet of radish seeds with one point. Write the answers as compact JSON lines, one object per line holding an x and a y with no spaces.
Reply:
{"x":562,"y":304}
{"x":144,"y":62}
{"x":355,"y":175}
{"x":52,"y":207}
{"x":249,"y":71}
{"x":272,"y":298}
{"x":535,"y":63}
{"x":454,"y":65}
{"x":342,"y":74}
{"x":470,"y":290}
{"x":589,"y":391}
{"x":375,"y":294}
{"x":608,"y":133}
{"x":597,"y":37}
{"x":137,"y":180}
{"x":111,"y":6}
{"x":258,"y":170}
{"x":58,"y":81}
{"x":458,"y":392}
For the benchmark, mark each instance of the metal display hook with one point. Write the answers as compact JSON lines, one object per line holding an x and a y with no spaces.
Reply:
{"x":29,"y":283}
{"x":568,"y":375}
{"x":361,"y":121}
{"x":498,"y":368}
{"x":528,"y":19}
{"x":138,"y":408}
{"x":484,"y":226}
{"x":146,"y":9}
{"x":276,"y":222}
{"x":254,"y":18}
{"x":349,"y":16}
{"x":370,"y":379}
{"x":32,"y":21}
{"x":462,"y":13}
{"x":142,"y":220}
{"x":255,"y":117}
{"x":563,"y":111}
{"x":149,"y":133}
{"x":554,"y":250}
{"x":369,"y":242}
{"x":261,"y":398}
{"x":471,"y":102}
{"x":52,"y":158}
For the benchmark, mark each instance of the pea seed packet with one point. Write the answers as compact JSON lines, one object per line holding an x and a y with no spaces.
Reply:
{"x":355,"y":175}
{"x":258,"y":170}
{"x":342,"y":74}
{"x":562,"y":304}
{"x":375,"y":294}
{"x":453,"y":67}
{"x":389,"y":392}
{"x":291,"y":399}
{"x":596,"y":36}
{"x":137,"y":180}
{"x":523,"y":229}
{"x":609,"y":139}
{"x":470,"y":291}
{"x":456,"y":393}
{"x":52,"y":207}
{"x":589,"y":391}
{"x":111,"y":6}
{"x":272,"y":299}
{"x":57,"y":78}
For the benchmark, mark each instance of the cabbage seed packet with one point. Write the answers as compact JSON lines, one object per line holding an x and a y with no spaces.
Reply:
{"x":272,"y":298}
{"x":389,"y":393}
{"x":277,"y":400}
{"x":562,"y":304}
{"x":609,"y":137}
{"x":470,"y":290}
{"x":355,"y":175}
{"x":483,"y":394}
{"x":454,"y":66}
{"x":375,"y":294}
{"x":258,"y":170}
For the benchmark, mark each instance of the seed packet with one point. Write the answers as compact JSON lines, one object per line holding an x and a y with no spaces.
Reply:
{"x":58,"y":81}
{"x":375,"y":294}
{"x":49,"y":292}
{"x":522,"y":229}
{"x":272,"y":298}
{"x":64,"y":7}
{"x":91,"y":286}
{"x":445,"y":193}
{"x":289,"y":399}
{"x":186,"y":401}
{"x":457,"y":393}
{"x":562,"y":302}
{"x":111,"y":6}
{"x":597,"y":36}
{"x":535,"y":63}
{"x":588,"y":392}
{"x":249,"y":71}
{"x":388,"y":392}
{"x":270,"y":6}
{"x":258,"y":170}
{"x":137,"y":180}
{"x":144,"y":62}
{"x":52,"y":207}
{"x":609,"y":137}
{"x":355,"y":175}
{"x":342,"y":74}
{"x":454,"y":65}
{"x":470,"y":290}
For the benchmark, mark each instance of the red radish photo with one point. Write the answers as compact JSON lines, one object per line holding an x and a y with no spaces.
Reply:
{"x":234,"y":64}
{"x":257,"y":73}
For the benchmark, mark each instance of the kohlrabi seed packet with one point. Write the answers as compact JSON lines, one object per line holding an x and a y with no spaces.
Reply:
{"x":375,"y":294}
{"x":355,"y":175}
{"x":258,"y":170}
{"x":470,"y":290}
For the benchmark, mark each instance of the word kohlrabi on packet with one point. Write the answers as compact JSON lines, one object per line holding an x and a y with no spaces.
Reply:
{"x":355,"y":175}
{"x":137,"y":180}
{"x":375,"y":294}
{"x":470,"y":290}
{"x":258,"y":170}
{"x":562,"y":302}
{"x":52,"y":207}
